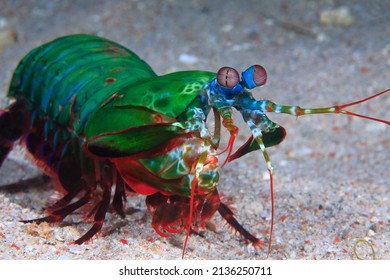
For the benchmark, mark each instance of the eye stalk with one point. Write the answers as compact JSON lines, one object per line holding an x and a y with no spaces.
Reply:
{"x":228,"y":80}
{"x":254,"y":76}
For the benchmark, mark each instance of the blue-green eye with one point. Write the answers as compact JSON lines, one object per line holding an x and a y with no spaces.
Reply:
{"x":254,"y":76}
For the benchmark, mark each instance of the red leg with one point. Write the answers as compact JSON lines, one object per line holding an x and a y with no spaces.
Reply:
{"x":59,"y":214}
{"x":119,"y":197}
{"x":99,"y":216}
{"x":228,"y":215}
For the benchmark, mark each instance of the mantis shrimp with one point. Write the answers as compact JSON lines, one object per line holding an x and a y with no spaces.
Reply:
{"x":102,"y":125}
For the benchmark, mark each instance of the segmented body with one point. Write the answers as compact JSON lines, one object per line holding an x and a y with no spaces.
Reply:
{"x":94,"y":116}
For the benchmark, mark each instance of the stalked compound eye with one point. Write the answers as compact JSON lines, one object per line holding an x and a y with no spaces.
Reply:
{"x":228,"y":77}
{"x":254,"y":76}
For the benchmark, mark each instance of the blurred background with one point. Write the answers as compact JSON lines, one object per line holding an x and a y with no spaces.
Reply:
{"x":331,"y":172}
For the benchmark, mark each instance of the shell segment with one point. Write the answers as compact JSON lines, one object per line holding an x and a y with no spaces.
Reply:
{"x":70,"y":76}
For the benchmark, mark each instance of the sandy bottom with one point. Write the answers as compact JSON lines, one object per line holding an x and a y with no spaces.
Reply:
{"x":331,"y":172}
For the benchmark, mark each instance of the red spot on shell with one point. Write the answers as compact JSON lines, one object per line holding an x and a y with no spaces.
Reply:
{"x":336,"y":240}
{"x":110,"y":80}
{"x":2,"y":235}
{"x":115,"y":70}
